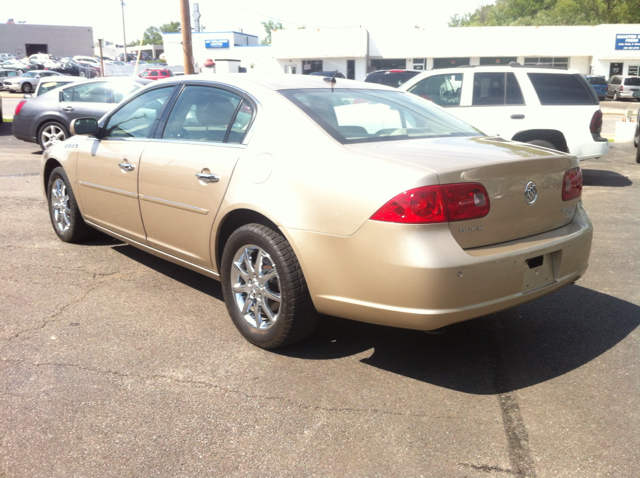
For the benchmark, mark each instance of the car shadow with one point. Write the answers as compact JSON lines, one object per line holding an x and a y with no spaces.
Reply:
{"x":601,"y":177}
{"x":507,"y":351}
{"x":499,"y":353}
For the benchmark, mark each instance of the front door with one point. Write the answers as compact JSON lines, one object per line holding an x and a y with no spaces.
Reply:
{"x":108,"y":168}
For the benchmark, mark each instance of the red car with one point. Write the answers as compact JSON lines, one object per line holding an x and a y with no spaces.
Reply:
{"x":156,"y":73}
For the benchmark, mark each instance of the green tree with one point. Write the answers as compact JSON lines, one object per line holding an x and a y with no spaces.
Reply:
{"x":171,"y":27}
{"x":269,"y":27}
{"x":550,"y":12}
{"x":152,"y":36}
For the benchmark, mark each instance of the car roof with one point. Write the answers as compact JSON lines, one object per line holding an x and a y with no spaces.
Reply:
{"x":274,"y":81}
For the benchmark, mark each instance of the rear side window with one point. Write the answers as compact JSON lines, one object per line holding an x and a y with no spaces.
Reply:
{"x":632,"y":81}
{"x":497,"y":89}
{"x":559,"y":89}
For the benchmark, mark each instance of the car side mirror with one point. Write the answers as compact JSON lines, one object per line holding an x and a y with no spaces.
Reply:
{"x":84,"y":126}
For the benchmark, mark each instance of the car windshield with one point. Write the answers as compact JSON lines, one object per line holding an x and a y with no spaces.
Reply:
{"x":360,"y":116}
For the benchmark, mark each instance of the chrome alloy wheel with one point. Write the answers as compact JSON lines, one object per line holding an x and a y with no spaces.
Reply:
{"x":52,"y":134}
{"x":60,"y":205}
{"x":256,"y":286}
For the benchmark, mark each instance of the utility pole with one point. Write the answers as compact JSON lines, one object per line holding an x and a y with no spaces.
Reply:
{"x":187,"y":51}
{"x":124,"y":34}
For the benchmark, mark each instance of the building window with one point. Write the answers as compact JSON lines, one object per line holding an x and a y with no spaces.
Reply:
{"x":449,"y":62}
{"x":557,"y":62}
{"x":390,"y":64}
{"x":634,"y":70}
{"x":419,"y":64}
{"x":497,"y":60}
{"x":311,"y":66}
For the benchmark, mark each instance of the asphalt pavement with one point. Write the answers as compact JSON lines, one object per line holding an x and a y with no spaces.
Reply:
{"x":114,"y":363}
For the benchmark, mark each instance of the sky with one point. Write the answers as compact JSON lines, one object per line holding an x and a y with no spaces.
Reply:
{"x":105,"y":16}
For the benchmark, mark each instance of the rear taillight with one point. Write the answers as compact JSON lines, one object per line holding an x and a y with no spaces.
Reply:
{"x":596,"y":122}
{"x":434,"y":204}
{"x":19,"y":107}
{"x":621,"y":87}
{"x":572,"y":184}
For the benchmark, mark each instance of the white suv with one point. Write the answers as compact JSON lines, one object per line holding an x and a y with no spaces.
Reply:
{"x":549,"y":107}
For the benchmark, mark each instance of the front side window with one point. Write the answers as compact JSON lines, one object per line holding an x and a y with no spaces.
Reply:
{"x":359,"y":116}
{"x":137,"y":118}
{"x":208,"y":114}
{"x":496,"y":89}
{"x":443,"y":90}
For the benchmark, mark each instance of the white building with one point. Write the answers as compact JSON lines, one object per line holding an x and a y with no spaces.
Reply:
{"x":599,"y":50}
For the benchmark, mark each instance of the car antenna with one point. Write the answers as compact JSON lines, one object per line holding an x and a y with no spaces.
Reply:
{"x":332,"y":80}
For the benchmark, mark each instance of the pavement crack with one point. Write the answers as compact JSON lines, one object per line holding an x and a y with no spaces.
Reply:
{"x":487,"y":468}
{"x":230,"y":391}
{"x":516,"y":433}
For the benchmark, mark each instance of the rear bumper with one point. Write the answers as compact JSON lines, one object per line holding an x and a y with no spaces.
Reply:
{"x":418,"y":277}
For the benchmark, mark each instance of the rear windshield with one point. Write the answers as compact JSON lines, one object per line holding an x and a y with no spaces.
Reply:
{"x":632,"y":81}
{"x":597,"y":80}
{"x":562,"y":89}
{"x":360,"y":116}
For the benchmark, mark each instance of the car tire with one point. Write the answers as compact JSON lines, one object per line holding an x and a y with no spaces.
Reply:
{"x":270,"y":305}
{"x":26,"y":87}
{"x":615,"y":96}
{"x":638,"y":154}
{"x":63,"y":209}
{"x":543,"y":143}
{"x":51,"y":132}
{"x":20,"y":72}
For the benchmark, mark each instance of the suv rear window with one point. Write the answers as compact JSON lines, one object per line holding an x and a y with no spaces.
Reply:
{"x":559,"y":89}
{"x":632,"y":81}
{"x":597,"y":80}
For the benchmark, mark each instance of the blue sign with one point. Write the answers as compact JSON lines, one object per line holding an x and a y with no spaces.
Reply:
{"x":216,"y":43}
{"x":628,"y":41}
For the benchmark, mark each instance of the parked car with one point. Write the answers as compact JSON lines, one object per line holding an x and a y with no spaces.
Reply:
{"x":129,"y":58}
{"x":28,"y":81}
{"x":18,"y":65}
{"x":89,"y":60}
{"x":636,"y":138}
{"x":45,"y":119}
{"x":599,"y":85}
{"x":4,"y":74}
{"x":71,"y":67}
{"x":623,"y":87}
{"x":327,"y":74}
{"x":549,"y":107}
{"x":400,"y":214}
{"x":156,"y":73}
{"x":391,"y":77}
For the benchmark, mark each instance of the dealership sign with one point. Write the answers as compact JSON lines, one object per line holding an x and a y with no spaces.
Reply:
{"x":216,"y":43}
{"x":628,"y":41}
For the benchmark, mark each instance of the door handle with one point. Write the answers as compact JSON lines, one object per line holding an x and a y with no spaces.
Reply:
{"x":517,"y":116}
{"x":127,"y":166}
{"x":207,"y":178}
{"x":68,"y":109}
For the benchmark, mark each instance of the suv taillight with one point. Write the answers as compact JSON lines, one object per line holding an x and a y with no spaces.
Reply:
{"x":621,"y":87}
{"x":572,"y":184}
{"x":596,"y":122}
{"x":434,"y":204}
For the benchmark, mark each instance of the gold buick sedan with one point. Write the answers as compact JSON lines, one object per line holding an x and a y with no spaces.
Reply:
{"x":310,"y":195}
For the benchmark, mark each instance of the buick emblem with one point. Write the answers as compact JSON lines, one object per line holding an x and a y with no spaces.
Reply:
{"x":530,"y":192}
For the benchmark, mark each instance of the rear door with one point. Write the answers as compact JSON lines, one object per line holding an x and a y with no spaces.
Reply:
{"x":185,"y":171}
